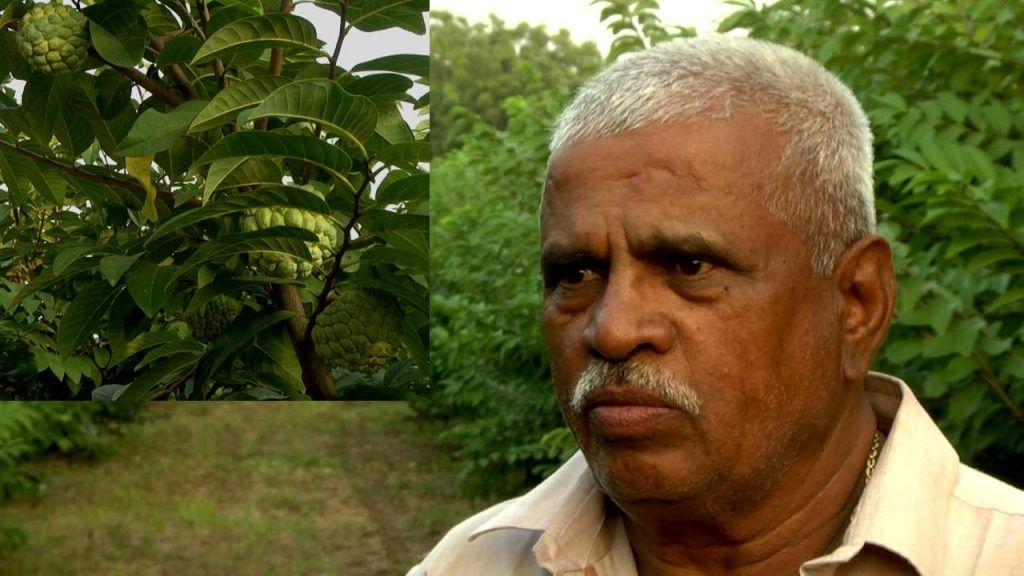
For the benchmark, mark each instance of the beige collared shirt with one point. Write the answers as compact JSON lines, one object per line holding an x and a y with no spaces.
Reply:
{"x":923,"y":513}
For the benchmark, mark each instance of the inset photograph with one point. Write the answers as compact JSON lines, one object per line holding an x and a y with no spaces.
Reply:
{"x":213,"y":200}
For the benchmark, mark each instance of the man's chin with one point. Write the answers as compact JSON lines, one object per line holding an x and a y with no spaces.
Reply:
{"x":644,"y":472}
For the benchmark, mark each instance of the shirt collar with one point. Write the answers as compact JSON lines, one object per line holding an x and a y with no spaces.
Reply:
{"x":906,"y":503}
{"x":569,"y":508}
{"x":901,"y":509}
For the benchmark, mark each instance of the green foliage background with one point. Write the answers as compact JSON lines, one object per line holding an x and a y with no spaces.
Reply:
{"x":122,"y":185}
{"x":477,"y":67}
{"x":941,"y":82}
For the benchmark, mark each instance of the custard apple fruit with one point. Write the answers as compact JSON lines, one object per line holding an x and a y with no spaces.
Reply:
{"x":285,"y":265}
{"x":359,"y":330}
{"x":212,"y":318}
{"x":53,"y":38}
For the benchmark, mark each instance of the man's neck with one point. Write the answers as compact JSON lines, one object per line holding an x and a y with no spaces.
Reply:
{"x":802,"y":518}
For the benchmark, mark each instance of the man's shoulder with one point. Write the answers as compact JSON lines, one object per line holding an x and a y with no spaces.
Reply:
{"x":985,"y":525}
{"x":982,"y":492}
{"x":497,"y":551}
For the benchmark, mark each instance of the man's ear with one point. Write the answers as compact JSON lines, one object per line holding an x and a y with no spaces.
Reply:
{"x":864,"y":277}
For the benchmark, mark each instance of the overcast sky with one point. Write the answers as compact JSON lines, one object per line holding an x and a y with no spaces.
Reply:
{"x":360,"y":46}
{"x":581,"y":19}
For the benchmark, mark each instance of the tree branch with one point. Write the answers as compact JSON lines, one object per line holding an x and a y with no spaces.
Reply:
{"x":346,"y":241}
{"x":277,"y":54}
{"x":176,"y":72}
{"x":315,"y":375}
{"x":218,"y":66}
{"x":154,"y":87}
{"x":98,"y":178}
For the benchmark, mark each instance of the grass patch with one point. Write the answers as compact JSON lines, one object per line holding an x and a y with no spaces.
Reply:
{"x":245,"y":488}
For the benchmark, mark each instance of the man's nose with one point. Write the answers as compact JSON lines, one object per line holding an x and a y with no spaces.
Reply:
{"x":631,"y":316}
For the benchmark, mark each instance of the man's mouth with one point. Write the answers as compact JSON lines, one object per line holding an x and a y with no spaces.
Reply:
{"x":627,"y":414}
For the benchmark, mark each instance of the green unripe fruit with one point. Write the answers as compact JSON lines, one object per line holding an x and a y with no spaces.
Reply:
{"x":213,"y":318}
{"x":359,"y":330}
{"x":53,"y":38}
{"x":285,"y":265}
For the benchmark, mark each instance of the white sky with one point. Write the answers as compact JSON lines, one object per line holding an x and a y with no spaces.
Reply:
{"x":581,"y":19}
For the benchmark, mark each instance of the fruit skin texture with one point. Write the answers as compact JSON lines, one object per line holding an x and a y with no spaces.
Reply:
{"x":54,"y":39}
{"x":212,"y":318}
{"x":359,"y":330}
{"x":286,"y":265}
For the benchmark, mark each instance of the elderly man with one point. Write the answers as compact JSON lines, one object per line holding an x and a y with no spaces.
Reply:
{"x":715,"y":293}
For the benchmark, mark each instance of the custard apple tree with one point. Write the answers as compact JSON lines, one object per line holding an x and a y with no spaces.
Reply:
{"x":186,"y":186}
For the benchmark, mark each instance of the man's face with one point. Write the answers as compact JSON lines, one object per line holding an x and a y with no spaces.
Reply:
{"x":656,"y":251}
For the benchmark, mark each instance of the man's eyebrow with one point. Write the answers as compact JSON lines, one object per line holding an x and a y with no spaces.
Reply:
{"x":555,"y":254}
{"x":666,"y":245}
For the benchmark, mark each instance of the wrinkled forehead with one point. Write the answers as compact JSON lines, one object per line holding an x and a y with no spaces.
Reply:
{"x":741,"y":154}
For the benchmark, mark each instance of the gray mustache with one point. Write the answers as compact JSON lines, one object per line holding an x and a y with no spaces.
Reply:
{"x":635,"y":374}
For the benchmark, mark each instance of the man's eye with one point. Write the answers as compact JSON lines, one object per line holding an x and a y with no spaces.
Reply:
{"x":690,"y":266}
{"x":573,"y":276}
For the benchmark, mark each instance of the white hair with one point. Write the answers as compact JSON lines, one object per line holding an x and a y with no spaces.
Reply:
{"x":826,"y":194}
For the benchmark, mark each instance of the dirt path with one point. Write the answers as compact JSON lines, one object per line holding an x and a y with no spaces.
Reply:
{"x":246,"y":488}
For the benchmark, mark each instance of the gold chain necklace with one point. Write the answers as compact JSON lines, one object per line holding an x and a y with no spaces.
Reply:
{"x":876,"y":446}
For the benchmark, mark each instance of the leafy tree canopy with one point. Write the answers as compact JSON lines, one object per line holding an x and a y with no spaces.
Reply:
{"x":206,"y":171}
{"x":478,"y":66}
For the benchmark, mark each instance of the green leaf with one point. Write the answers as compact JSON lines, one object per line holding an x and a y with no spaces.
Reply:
{"x":257,"y":143}
{"x":118,"y":31}
{"x":959,"y":339}
{"x":386,"y":86}
{"x":145,"y":341}
{"x":965,"y":402}
{"x":151,"y":285}
{"x":227,"y":345}
{"x":82,"y":318}
{"x":374,"y":15}
{"x":284,"y":196}
{"x":990,"y":257}
{"x":238,"y":96}
{"x":1005,"y":299}
{"x":415,"y":187}
{"x":324,"y":102}
{"x":42,"y":99}
{"x":902,"y":351}
{"x":113,"y":267}
{"x":171,"y":348}
{"x":156,"y":131}
{"x":411,"y":64}
{"x":406,"y":152}
{"x":274,"y":353}
{"x":169,"y":370}
{"x":179,"y":49}
{"x":250,"y":172}
{"x":954,"y":107}
{"x":259,"y":32}
{"x":68,"y":256}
